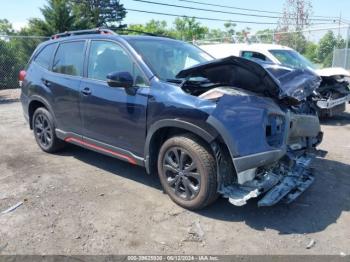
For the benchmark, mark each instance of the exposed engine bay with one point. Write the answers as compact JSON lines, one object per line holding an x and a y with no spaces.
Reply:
{"x":333,"y":94}
{"x":276,"y":106}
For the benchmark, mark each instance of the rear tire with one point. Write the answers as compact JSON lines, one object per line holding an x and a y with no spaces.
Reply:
{"x":44,"y":131}
{"x":187,"y":172}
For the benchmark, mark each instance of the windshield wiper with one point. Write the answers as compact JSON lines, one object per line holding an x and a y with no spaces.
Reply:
{"x":194,"y":80}
{"x":174,"y":80}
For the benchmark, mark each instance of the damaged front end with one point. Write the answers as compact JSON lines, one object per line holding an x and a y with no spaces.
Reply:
{"x":281,"y":174}
{"x":282,"y":180}
{"x":268,"y":125}
{"x":334,"y":91}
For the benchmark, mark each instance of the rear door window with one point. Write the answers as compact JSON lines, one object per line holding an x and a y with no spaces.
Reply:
{"x":45,"y":55}
{"x":69,"y":58}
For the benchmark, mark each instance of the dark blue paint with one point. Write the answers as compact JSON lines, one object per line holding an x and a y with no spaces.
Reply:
{"x":123,"y":117}
{"x":64,"y":92}
{"x":113,"y":116}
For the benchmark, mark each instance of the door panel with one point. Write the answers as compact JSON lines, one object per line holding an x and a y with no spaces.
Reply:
{"x":66,"y":97}
{"x":64,"y":82}
{"x":113,"y":115}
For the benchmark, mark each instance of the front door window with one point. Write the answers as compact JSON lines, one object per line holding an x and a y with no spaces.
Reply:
{"x":107,"y":57}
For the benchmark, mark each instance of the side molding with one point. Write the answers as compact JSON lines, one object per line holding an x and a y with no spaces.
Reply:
{"x":100,"y":147}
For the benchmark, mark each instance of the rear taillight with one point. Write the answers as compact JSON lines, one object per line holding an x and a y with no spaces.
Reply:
{"x":22,"y":74}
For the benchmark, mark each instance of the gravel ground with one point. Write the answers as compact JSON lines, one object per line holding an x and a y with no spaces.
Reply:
{"x":9,"y":95}
{"x":81,"y":202}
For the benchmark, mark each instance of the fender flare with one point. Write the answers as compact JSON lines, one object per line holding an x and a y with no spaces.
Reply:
{"x":37,"y":98}
{"x":177,"y":123}
{"x":224,"y":133}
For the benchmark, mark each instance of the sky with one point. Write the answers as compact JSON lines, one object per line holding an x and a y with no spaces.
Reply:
{"x":19,"y":11}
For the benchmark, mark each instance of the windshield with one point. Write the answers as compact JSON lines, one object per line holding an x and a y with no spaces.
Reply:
{"x":166,"y":58}
{"x":292,"y":59}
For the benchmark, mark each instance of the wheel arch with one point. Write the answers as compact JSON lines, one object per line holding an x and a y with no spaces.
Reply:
{"x":162,"y":130}
{"x":159,"y":132}
{"x":36,"y":102}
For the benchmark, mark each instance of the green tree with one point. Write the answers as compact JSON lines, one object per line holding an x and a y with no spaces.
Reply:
{"x":100,"y":13}
{"x":58,"y":17}
{"x":242,"y":36}
{"x":136,"y":28}
{"x":326,"y":47}
{"x":311,"y":52}
{"x":230,"y":28}
{"x":14,"y":53}
{"x":327,"y":61}
{"x":6,"y":27}
{"x":26,"y":44}
{"x":157,"y":27}
{"x":189,"y":29}
{"x":153,"y":27}
{"x":9,"y":65}
{"x":340,"y":42}
{"x":218,"y":34}
{"x":223,"y":35}
{"x":265,"y":36}
{"x":295,"y":40}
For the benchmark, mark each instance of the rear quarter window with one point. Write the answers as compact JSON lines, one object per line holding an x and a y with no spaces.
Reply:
{"x":69,"y":58}
{"x":43,"y":58}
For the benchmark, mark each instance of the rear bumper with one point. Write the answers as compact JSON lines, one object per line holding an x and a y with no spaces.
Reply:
{"x":25,"y":102}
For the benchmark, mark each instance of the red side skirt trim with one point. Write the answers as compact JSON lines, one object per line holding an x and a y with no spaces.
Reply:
{"x":105,"y":150}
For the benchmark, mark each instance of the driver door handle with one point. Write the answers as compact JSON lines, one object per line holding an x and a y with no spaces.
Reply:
{"x":86,"y":91}
{"x":46,"y":82}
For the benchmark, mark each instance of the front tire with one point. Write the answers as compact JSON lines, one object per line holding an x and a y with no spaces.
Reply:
{"x":187,"y":171}
{"x":44,"y":131}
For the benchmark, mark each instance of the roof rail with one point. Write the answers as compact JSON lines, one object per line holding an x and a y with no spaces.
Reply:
{"x":84,"y":32}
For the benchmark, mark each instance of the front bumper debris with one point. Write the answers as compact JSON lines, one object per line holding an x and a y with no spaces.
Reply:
{"x":330,"y":103}
{"x":291,"y":186}
{"x":280,"y":184}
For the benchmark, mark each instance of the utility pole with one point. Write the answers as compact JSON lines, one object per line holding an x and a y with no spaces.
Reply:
{"x":347,"y":47}
{"x":339,"y":25}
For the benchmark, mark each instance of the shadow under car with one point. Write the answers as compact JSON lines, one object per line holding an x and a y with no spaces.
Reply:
{"x":313,"y":211}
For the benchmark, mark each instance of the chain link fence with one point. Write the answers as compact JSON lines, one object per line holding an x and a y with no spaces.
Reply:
{"x":15,"y":52}
{"x":341,"y":58}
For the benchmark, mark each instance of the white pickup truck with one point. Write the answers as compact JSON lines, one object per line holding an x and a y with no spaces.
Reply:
{"x":334,"y":90}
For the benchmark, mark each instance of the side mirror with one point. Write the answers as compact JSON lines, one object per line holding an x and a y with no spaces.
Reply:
{"x":120,"y":79}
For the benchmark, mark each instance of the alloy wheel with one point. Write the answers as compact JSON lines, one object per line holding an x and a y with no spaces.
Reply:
{"x":43,"y":130}
{"x":181,"y":172}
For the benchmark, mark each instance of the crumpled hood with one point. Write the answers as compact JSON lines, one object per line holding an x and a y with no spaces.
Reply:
{"x":332,"y":71}
{"x":257,"y":76}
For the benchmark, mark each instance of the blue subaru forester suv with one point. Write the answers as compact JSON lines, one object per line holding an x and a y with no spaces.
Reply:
{"x":230,"y":127}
